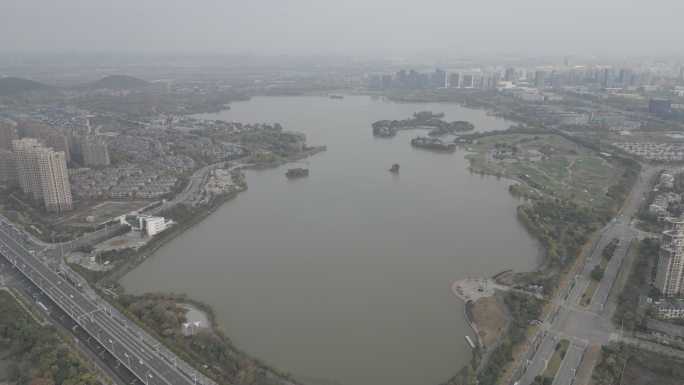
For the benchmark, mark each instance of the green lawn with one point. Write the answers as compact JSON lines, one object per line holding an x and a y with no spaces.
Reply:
{"x":556,"y":359}
{"x":567,"y":171}
{"x":589,"y":293}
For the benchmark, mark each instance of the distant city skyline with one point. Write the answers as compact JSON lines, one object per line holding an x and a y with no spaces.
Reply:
{"x":354,"y":27}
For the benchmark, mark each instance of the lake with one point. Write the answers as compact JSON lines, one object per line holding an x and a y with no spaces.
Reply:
{"x":344,"y":277}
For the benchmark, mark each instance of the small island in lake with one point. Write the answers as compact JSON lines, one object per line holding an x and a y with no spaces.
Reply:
{"x":433,"y":144}
{"x":422,"y":120}
{"x":384,"y":132}
{"x":297,"y":173}
{"x":335,"y":96}
{"x":394,"y":168}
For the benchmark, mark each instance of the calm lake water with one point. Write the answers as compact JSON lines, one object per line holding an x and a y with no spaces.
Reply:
{"x":344,"y":277}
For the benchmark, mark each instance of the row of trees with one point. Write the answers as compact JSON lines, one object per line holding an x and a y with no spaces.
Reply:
{"x":37,"y":356}
{"x":625,"y":364}
{"x":562,"y":227}
{"x":627,"y":311}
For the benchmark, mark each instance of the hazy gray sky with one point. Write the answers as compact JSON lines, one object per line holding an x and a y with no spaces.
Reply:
{"x":342,"y":26}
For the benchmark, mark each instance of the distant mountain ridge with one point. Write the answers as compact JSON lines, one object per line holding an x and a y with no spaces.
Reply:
{"x":118,"y":82}
{"x":14,"y":86}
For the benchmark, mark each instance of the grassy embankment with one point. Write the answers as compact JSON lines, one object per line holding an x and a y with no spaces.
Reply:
{"x":491,"y":318}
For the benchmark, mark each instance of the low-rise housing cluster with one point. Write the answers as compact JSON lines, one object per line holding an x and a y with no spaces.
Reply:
{"x":129,"y":181}
{"x":665,"y":331}
{"x":661,"y":203}
{"x":224,"y":150}
{"x":135,"y":147}
{"x":176,"y":164}
{"x":670,"y":309}
{"x":654,"y":150}
{"x":667,"y":180}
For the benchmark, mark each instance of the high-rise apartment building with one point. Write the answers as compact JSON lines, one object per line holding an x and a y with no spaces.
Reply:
{"x":670,"y":274}
{"x":8,"y":170}
{"x":58,"y":141}
{"x":8,"y":133}
{"x":94,"y":152}
{"x":30,"y":128}
{"x":42,"y":172}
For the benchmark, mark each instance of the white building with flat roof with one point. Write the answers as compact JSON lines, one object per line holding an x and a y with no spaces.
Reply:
{"x":153,"y":225}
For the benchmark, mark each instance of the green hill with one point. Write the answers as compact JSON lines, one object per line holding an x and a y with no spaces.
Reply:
{"x":13,"y":86}
{"x":118,"y":82}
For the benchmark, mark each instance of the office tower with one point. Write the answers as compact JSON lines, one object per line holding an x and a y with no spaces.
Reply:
{"x":440,"y":78}
{"x":509,"y":75}
{"x":423,"y":80}
{"x":8,"y":170}
{"x":659,"y":106}
{"x":401,"y":78}
{"x":489,"y":81}
{"x":94,"y":152}
{"x":626,"y":76}
{"x":608,"y":78}
{"x":468,"y":81}
{"x":386,"y":80}
{"x":669,"y":277}
{"x":43,"y":174}
{"x":455,"y":80}
{"x":540,"y":79}
{"x":7,"y":134}
{"x":557,"y":80}
{"x":58,"y":141}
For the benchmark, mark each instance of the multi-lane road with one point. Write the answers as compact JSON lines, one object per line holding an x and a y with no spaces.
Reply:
{"x":585,"y":326}
{"x":138,"y":352}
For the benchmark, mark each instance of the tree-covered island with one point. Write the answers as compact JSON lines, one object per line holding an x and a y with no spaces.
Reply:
{"x":421,"y":120}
